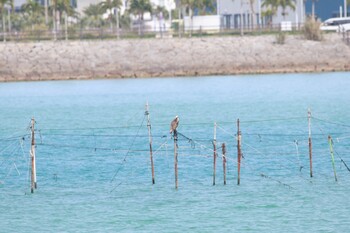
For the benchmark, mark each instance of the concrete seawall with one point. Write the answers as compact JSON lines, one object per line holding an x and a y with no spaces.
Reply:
{"x":170,"y":57}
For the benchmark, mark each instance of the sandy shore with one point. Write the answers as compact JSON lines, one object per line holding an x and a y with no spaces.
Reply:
{"x":170,"y":57}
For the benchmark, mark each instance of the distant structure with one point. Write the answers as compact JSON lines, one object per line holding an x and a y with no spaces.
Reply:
{"x":252,"y":14}
{"x":247,"y":14}
{"x":239,"y":12}
{"x":82,"y":4}
{"x":18,"y":3}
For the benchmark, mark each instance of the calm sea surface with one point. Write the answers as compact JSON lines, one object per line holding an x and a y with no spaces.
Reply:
{"x":93,"y":162}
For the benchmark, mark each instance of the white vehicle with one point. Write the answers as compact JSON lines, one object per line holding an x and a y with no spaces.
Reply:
{"x":344,"y":28}
{"x":333,"y":24}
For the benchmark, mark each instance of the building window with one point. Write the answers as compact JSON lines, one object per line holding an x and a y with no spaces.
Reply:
{"x":73,"y":3}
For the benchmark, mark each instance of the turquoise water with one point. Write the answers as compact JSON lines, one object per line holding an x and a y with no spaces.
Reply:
{"x":93,"y":167}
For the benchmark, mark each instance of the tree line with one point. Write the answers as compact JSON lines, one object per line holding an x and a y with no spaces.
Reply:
{"x":54,"y":14}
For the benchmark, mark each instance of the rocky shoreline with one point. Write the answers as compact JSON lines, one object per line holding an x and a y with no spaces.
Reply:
{"x":63,"y":60}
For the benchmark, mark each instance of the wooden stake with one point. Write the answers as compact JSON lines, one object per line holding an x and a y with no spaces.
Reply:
{"x":224,"y":161}
{"x":150,"y":141}
{"x":310,"y":141}
{"x":239,"y":153}
{"x":332,"y":156}
{"x":32,"y":155}
{"x":214,"y":144}
{"x":175,"y":158}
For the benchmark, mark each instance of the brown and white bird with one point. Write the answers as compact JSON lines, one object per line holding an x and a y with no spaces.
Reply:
{"x":174,"y":124}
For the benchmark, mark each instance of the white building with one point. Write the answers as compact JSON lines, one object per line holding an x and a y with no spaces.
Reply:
{"x":82,"y":4}
{"x":18,"y":3}
{"x":235,"y":12}
{"x":167,"y":4}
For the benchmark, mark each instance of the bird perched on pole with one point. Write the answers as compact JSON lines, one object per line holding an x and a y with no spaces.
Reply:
{"x":174,"y":124}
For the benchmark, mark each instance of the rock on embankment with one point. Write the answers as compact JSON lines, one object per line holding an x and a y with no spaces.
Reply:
{"x":169,"y":57}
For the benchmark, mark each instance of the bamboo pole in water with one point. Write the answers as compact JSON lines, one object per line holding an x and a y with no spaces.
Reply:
{"x":32,"y":155}
{"x":224,"y":161}
{"x":150,"y":141}
{"x":310,"y":141}
{"x":332,"y":156}
{"x":214,"y":155}
{"x":239,"y":153}
{"x":175,"y":159}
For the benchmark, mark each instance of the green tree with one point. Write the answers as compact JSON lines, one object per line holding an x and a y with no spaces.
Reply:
{"x":161,"y":10}
{"x":65,"y":6}
{"x":109,"y":5}
{"x":205,"y":6}
{"x":33,"y":12}
{"x":3,"y":4}
{"x":93,"y":15}
{"x":93,"y":10}
{"x":190,"y":5}
{"x":18,"y":22}
{"x":201,"y":5}
{"x":139,"y":8}
{"x":274,"y":4}
{"x":269,"y":13}
{"x":58,"y":8}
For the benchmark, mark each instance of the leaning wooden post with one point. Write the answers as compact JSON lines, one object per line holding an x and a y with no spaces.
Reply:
{"x":310,"y":142}
{"x":332,"y":156}
{"x":239,"y":153}
{"x":175,"y":158}
{"x":32,"y":155}
{"x":150,"y":140}
{"x":214,"y":144}
{"x":224,"y":161}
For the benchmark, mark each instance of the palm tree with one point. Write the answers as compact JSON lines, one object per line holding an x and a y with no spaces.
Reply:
{"x":65,"y":6}
{"x":179,"y":6}
{"x":201,"y":5}
{"x":269,"y":13}
{"x":93,"y":15}
{"x":161,"y":10}
{"x":205,"y":6}
{"x":190,"y":5}
{"x":46,"y":5}
{"x":53,"y":7}
{"x":4,"y":3}
{"x":274,"y":4}
{"x":34,"y":11}
{"x":139,"y":8}
{"x":287,"y":3}
{"x":108,"y":5}
{"x":60,"y":7}
{"x":93,"y":10}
